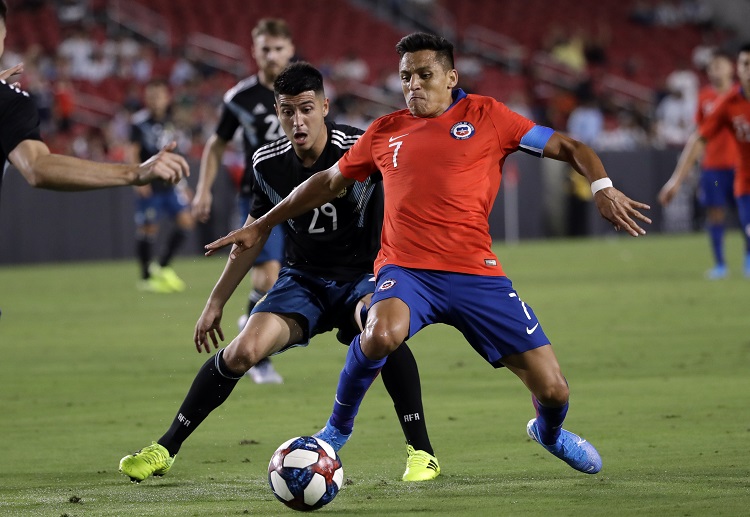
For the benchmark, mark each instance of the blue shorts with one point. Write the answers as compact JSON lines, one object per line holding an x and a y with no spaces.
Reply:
{"x":716,"y":188}
{"x":148,"y":210}
{"x":320,"y":305}
{"x":486,"y":309}
{"x":743,"y":210}
{"x":274,"y":247}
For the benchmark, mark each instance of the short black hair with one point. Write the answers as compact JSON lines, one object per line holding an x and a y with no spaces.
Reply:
{"x":744,"y":48}
{"x":3,"y":10}
{"x":417,"y":41}
{"x":297,"y":78}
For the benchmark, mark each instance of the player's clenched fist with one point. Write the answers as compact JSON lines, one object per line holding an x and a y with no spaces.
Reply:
{"x":164,"y":165}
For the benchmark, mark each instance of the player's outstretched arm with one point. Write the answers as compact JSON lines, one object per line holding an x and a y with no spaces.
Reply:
{"x":320,"y":188}
{"x":612,"y":204}
{"x":42,"y":169}
{"x":209,"y":168}
{"x":690,"y":153}
{"x":209,"y":323}
{"x":164,"y":165}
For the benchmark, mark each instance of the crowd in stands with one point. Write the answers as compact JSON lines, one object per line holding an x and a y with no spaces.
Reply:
{"x":93,"y":61}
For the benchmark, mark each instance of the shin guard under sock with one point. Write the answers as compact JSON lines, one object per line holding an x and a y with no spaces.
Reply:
{"x":356,"y":378}
{"x":401,"y":379}
{"x":550,"y":421}
{"x":211,"y":387}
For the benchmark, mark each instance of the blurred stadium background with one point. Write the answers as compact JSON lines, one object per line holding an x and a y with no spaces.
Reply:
{"x":630,"y":69}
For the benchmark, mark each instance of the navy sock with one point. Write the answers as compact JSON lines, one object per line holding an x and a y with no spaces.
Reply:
{"x":550,"y":421}
{"x":212,"y":385}
{"x":253,"y":299}
{"x":175,"y":241}
{"x":716,"y":234}
{"x":356,"y":378}
{"x":143,"y":245}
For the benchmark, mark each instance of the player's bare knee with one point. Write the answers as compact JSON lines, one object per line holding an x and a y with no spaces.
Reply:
{"x":240,"y":357}
{"x":554,"y":394}
{"x":381,"y":339}
{"x":265,"y":285}
{"x":263,"y":280}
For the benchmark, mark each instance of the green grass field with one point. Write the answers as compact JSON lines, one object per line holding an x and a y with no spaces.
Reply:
{"x":658,"y":360}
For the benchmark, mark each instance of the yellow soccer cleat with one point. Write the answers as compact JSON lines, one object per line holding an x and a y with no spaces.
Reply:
{"x":154,"y":285}
{"x":167,"y":276}
{"x":420,"y":466}
{"x":172,"y":280}
{"x":152,"y":460}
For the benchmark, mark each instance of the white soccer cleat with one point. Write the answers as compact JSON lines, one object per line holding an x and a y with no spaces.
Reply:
{"x":264,"y":373}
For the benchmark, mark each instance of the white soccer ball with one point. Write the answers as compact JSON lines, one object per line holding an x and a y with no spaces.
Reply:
{"x":305,"y":473}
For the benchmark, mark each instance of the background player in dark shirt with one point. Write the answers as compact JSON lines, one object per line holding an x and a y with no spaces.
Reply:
{"x":250,"y":105}
{"x":327,"y":283}
{"x":151,"y":128}
{"x":21,"y":145}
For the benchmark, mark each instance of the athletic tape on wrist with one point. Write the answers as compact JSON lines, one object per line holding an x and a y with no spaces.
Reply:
{"x":597,"y":185}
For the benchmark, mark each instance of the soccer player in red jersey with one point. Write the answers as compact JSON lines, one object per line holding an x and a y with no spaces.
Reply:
{"x":441,"y":163}
{"x":717,"y":166}
{"x":733,"y":113}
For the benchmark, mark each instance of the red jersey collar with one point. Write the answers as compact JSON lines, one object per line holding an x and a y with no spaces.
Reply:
{"x":457,"y":95}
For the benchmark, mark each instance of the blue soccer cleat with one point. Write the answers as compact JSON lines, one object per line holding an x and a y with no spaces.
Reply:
{"x":718,"y":272}
{"x":571,"y":448}
{"x":332,"y":436}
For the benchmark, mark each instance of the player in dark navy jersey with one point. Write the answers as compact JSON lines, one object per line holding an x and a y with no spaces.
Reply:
{"x":21,"y":145}
{"x":250,"y":105}
{"x":150,"y":128}
{"x":326,"y":284}
{"x":337,"y":240}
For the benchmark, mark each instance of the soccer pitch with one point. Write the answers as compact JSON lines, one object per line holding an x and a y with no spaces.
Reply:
{"x":658,"y":360}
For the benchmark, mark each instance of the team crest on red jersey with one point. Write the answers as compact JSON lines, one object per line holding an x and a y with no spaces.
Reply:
{"x":462,"y":130}
{"x":387,"y":284}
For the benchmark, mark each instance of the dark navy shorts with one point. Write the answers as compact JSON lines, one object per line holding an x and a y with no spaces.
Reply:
{"x":274,"y":247}
{"x":321,"y":304}
{"x":486,"y":309}
{"x":148,"y":210}
{"x":716,"y":188}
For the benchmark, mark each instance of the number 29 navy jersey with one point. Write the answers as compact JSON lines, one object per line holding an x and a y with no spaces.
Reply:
{"x":338,"y":240}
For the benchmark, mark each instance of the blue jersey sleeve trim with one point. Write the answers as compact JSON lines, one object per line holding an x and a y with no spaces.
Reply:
{"x":534,"y":141}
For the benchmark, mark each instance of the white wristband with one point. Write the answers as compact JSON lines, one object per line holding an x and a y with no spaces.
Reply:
{"x":600,"y":184}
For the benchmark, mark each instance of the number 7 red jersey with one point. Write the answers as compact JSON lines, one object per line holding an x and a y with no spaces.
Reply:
{"x":733,"y":113}
{"x":440,"y":177}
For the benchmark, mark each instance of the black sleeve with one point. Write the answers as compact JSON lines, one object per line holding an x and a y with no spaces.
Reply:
{"x":261,"y":203}
{"x":136,"y":135}
{"x":228,"y":124}
{"x":19,"y":118}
